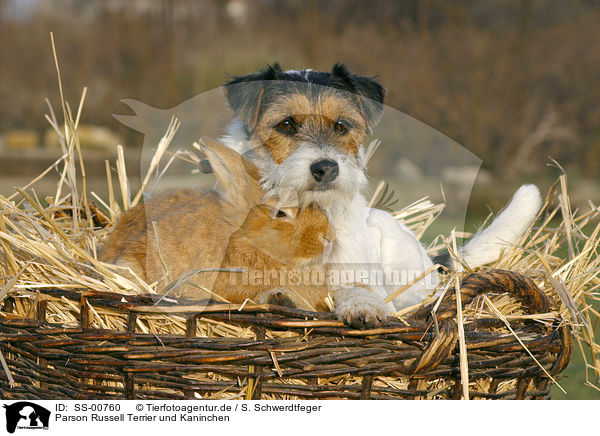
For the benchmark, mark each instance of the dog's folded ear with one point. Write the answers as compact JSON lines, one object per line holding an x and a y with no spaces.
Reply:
{"x":245,"y":94}
{"x":369,"y":93}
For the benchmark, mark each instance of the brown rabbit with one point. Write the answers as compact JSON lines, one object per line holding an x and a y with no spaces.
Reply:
{"x":233,"y":229}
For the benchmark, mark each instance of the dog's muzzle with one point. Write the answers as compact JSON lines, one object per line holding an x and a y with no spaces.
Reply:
{"x":324,"y":171}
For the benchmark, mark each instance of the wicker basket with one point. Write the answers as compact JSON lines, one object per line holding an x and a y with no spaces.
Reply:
{"x":319,"y":358}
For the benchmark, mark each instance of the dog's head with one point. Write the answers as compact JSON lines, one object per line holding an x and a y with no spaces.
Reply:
{"x":306,"y":128}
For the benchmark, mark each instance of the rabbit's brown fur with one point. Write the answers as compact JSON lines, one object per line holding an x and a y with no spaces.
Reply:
{"x":229,"y":229}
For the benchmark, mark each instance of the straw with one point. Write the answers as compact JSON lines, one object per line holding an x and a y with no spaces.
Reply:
{"x":464,"y":363}
{"x":163,"y":144}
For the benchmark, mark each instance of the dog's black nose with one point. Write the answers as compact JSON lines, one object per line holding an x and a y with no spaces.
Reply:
{"x":325,"y":170}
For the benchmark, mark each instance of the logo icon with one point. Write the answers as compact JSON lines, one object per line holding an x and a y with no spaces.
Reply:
{"x":26,"y":415}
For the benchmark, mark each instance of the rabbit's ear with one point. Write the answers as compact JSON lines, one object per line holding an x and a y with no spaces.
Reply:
{"x":238,"y":176}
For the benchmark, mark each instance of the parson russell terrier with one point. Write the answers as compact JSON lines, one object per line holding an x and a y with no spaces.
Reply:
{"x":305,"y":131}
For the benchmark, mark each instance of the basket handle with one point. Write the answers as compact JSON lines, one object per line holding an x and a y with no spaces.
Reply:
{"x":494,"y":280}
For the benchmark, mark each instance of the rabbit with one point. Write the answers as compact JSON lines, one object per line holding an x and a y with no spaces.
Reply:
{"x":229,"y":229}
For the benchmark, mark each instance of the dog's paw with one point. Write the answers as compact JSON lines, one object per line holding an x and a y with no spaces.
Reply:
{"x":360,"y":308}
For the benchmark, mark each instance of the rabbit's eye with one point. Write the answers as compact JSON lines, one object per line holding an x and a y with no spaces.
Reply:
{"x":287,"y":126}
{"x":285,"y":213}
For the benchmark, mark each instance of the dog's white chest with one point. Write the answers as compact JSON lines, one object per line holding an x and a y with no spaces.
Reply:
{"x":375,"y":249}
{"x":354,"y":241}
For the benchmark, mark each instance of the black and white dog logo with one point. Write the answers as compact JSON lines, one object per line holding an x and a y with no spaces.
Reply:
{"x":26,"y":415}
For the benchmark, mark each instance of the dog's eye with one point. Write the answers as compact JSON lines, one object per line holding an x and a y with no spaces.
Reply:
{"x":287,"y":126}
{"x":280,"y":214}
{"x":340,"y":126}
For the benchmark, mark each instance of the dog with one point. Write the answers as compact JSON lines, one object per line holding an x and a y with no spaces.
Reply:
{"x":305,"y":130}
